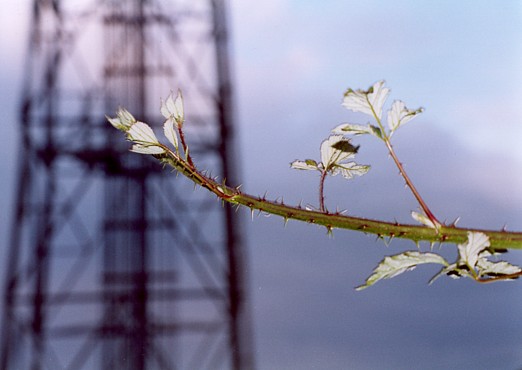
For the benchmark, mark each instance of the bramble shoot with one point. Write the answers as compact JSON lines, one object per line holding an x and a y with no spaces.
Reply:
{"x":477,"y":249}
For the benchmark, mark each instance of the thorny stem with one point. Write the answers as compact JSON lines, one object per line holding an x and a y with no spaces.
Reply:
{"x":409,"y":183}
{"x":444,"y":234}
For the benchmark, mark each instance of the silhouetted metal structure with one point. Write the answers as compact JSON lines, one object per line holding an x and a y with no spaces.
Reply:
{"x":114,"y":263}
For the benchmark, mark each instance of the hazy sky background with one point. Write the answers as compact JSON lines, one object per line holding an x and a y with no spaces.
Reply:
{"x":293,"y":60}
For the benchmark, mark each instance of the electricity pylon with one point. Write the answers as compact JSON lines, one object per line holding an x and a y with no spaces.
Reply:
{"x":113,"y":262}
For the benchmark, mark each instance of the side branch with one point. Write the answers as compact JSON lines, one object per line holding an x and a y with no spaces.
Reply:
{"x":410,"y":185}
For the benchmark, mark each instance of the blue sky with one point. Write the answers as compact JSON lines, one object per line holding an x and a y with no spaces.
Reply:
{"x":293,"y":60}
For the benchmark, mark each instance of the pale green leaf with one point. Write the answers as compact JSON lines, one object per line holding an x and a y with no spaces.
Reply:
{"x":369,"y":102}
{"x":353,"y":129}
{"x":473,"y":261}
{"x":486,"y":267}
{"x":172,"y":108}
{"x":123,"y":120}
{"x":170,"y":133}
{"x":308,"y":164}
{"x":469,"y":252}
{"x":398,"y":115}
{"x":376,"y":131}
{"x":147,"y":149}
{"x":421,"y":218}
{"x":141,"y":133}
{"x":350,"y":169}
{"x":330,"y":155}
{"x":392,"y":266}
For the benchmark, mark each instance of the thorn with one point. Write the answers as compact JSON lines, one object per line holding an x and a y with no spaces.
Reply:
{"x":329,"y":230}
{"x":285,"y":220}
{"x":391,"y":237}
{"x":252,"y":210}
{"x":454,"y":223}
{"x":504,"y":228}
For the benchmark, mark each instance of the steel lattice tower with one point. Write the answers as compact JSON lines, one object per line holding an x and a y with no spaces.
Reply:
{"x":113,"y":262}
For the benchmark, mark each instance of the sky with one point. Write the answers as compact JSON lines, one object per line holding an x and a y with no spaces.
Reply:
{"x":292,"y":61}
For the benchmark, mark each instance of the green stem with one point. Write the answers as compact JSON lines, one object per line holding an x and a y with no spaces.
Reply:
{"x":415,"y":233}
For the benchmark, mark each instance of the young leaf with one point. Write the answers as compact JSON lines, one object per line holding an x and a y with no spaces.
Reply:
{"x":473,"y":261}
{"x":350,"y":170}
{"x":398,"y":115}
{"x":330,"y":152}
{"x":369,"y":102}
{"x":170,"y":133}
{"x":376,"y":131}
{"x":469,"y":252}
{"x":141,"y":133}
{"x":335,"y":152}
{"x":392,"y":266}
{"x":308,"y":164}
{"x":123,"y":120}
{"x":424,"y":220}
{"x":488,"y":268}
{"x":172,"y":108}
{"x":147,"y":149}
{"x":353,"y":129}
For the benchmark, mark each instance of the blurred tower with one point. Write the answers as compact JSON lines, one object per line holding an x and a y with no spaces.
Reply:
{"x":113,"y":262}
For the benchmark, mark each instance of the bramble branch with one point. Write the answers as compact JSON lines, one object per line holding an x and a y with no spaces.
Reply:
{"x":476,"y":247}
{"x":416,"y":233}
